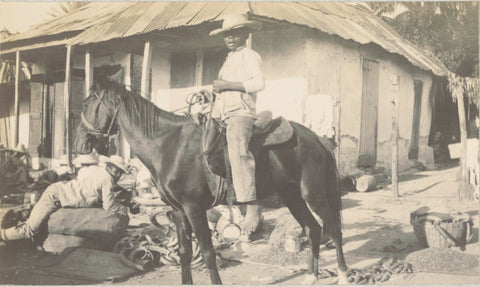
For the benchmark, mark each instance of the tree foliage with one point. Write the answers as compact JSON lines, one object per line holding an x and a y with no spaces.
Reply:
{"x":447,"y":29}
{"x":65,"y":8}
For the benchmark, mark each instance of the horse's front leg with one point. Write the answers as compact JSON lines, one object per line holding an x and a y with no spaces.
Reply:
{"x":198,"y":220}
{"x":184,"y":233}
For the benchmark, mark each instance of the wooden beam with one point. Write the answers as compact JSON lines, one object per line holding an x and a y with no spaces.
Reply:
{"x":67,"y":91}
{"x":88,"y":72}
{"x":394,"y":139}
{"x":147,"y":61}
{"x":17,"y":100}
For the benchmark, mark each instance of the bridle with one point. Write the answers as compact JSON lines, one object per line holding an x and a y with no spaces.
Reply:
{"x":91,"y":128}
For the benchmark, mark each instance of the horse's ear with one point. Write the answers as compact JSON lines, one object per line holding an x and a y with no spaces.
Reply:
{"x":102,"y":73}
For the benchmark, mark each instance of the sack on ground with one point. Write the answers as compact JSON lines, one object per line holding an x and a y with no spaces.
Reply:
{"x":57,"y":243}
{"x":90,"y":223}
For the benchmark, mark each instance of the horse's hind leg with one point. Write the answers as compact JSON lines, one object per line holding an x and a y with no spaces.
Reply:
{"x":184,"y":233}
{"x":313,"y":230}
{"x":198,"y":220}
{"x":334,"y":231}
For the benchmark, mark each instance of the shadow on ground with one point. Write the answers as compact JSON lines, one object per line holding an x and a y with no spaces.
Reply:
{"x":349,"y":203}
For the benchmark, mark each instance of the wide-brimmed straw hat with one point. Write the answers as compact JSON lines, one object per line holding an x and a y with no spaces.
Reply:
{"x":115,"y":160}
{"x":237,"y":21}
{"x":85,"y":159}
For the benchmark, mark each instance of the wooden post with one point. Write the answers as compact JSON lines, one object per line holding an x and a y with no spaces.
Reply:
{"x":124,"y":146}
{"x":128,"y":75}
{"x":147,"y":59}
{"x":43,"y":131}
{"x":394,"y":139}
{"x":16,"y":130}
{"x":88,"y":72}
{"x":338,"y":105}
{"x":464,"y":191}
{"x":478,"y":150}
{"x":199,"y":68}
{"x":67,"y":91}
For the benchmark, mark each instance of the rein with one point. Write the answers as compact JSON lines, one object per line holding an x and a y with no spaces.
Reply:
{"x":204,"y":97}
{"x":222,"y":193}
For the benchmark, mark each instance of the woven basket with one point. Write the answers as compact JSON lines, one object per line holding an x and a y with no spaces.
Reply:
{"x":441,"y":230}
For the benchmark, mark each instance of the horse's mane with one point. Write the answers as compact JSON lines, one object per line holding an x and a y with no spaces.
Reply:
{"x":141,"y":113}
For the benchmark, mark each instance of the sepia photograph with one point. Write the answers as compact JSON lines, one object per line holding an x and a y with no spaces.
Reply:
{"x":239,"y":143}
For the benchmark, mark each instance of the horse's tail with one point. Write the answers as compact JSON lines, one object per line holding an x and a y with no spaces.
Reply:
{"x":334,"y":194}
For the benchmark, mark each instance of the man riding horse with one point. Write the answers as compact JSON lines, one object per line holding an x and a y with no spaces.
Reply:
{"x":300,"y":169}
{"x":239,"y":80}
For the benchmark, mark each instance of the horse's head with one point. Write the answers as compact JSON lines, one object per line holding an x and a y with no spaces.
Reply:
{"x":98,"y":122}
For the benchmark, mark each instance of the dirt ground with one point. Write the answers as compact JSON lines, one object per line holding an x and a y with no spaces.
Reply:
{"x":375,"y":225}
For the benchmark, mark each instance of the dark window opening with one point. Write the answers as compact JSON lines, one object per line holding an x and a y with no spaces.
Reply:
{"x":212,"y":62}
{"x":183,"y":67}
{"x":182,"y":71}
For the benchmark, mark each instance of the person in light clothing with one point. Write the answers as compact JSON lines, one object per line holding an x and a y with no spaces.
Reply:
{"x":93,"y":187}
{"x":239,"y":80}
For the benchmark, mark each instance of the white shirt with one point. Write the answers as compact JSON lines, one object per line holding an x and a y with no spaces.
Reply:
{"x":92,"y":185}
{"x":242,"y":65}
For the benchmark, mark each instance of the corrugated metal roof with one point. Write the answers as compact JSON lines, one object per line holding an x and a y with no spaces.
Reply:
{"x":95,"y":13}
{"x":106,"y":21}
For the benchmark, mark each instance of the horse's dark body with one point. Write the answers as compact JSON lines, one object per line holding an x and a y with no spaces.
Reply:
{"x":300,"y":171}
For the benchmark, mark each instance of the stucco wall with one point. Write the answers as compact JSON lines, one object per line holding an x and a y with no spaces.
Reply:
{"x":283,"y":67}
{"x":161,"y":78}
{"x":390,"y":67}
{"x":334,"y":68}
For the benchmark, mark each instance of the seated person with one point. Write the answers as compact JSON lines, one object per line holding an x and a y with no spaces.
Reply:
{"x":94,"y":187}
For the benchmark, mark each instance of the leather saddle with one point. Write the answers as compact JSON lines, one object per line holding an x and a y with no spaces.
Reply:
{"x":272,"y":131}
{"x":268,"y":132}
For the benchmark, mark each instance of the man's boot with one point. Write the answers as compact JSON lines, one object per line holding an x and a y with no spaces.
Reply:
{"x":253,"y":219}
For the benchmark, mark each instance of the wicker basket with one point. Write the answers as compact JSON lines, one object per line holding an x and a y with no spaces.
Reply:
{"x":439,"y":230}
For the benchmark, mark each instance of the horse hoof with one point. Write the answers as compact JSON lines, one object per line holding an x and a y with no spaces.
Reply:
{"x":342,"y":278}
{"x":309,"y":279}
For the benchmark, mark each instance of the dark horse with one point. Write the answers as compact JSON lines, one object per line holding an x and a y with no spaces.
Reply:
{"x":302,"y":172}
